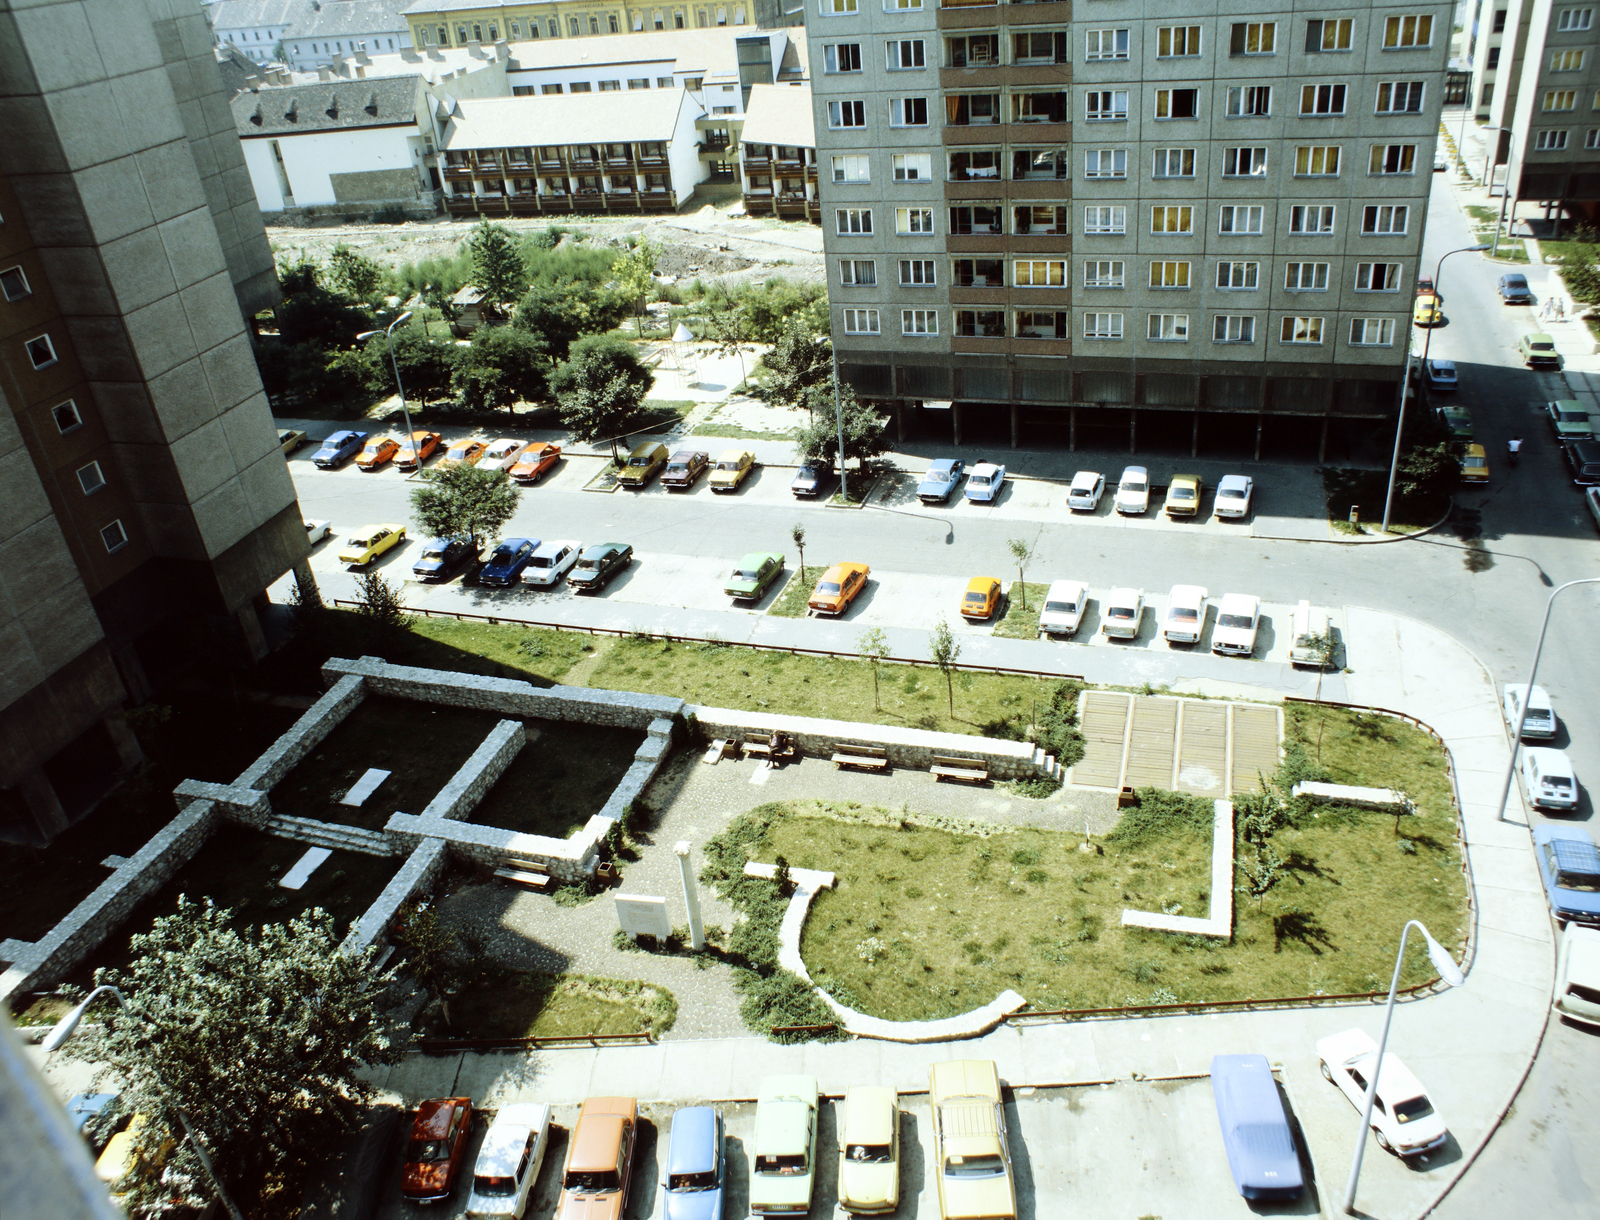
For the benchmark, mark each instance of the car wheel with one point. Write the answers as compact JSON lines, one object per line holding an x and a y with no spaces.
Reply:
{"x":1383,"y":1140}
{"x":1327,"y":1073}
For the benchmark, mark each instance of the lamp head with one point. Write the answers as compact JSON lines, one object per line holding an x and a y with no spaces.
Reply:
{"x":1449,"y":972}
{"x":1482,"y":245}
{"x":64,"y":1028}
{"x":367,"y":334}
{"x":405,"y":317}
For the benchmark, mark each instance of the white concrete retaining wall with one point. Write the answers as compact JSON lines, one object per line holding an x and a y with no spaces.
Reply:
{"x":415,"y":877}
{"x":1219,"y":922}
{"x":1385,"y":799}
{"x":321,"y":718}
{"x":477,"y":775}
{"x":247,"y":805}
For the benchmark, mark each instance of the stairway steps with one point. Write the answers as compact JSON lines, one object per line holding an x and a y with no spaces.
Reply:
{"x":330,"y":835}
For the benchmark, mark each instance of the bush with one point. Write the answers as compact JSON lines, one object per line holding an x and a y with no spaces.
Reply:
{"x":780,"y":999}
{"x":1057,"y":730}
{"x":392,"y":214}
{"x":1158,"y":814}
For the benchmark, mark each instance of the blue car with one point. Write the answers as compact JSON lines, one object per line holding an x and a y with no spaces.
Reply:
{"x":339,"y":448}
{"x":506,"y":563}
{"x":695,"y":1167}
{"x":442,"y":556}
{"x":940,"y":481}
{"x":1569,"y":866}
{"x":1255,"y":1128}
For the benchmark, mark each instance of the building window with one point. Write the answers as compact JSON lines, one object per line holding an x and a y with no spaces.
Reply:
{"x":976,"y":163}
{"x":1244,"y":162}
{"x":1370,"y":332}
{"x":972,"y":51}
{"x":1039,"y":107}
{"x":1404,"y":32}
{"x":1240,"y":219}
{"x":852,"y":168}
{"x":1301,"y":330}
{"x":1312,"y":218}
{"x":610,"y":86}
{"x":1175,"y":41}
{"x":919,"y":322}
{"x":1038,"y":273}
{"x":913,"y":220}
{"x":1169,"y":275}
{"x":66,"y":416}
{"x":1177,"y":103}
{"x":1169,"y":327}
{"x":14,"y":283}
{"x":1492,"y":63}
{"x":90,"y":478}
{"x":1102,"y":326}
{"x":908,"y":112}
{"x":847,"y":114}
{"x":1172,"y":219}
{"x":42,"y":352}
{"x":1560,"y":99}
{"x":1321,"y":100}
{"x":861,"y":321}
{"x":1102,"y":220}
{"x":917,"y":273}
{"x":638,"y":23}
{"x":853,"y":222}
{"x":1392,"y":159}
{"x":1033,"y":164}
{"x":1105,"y":163}
{"x":975,"y":218}
{"x":638,"y":82}
{"x":1316,"y":161}
{"x":1039,"y":47}
{"x":1500,"y":21}
{"x":664,"y":82}
{"x":1233,"y":328}
{"x":1566,"y":61}
{"x":1174,"y":163}
{"x":1326,"y":36}
{"x":905,"y":54}
{"x":1103,"y":273}
{"x":1400,"y":97}
{"x":581,"y":86}
{"x":1569,"y":19}
{"x":1548,"y":141}
{"x":1250,"y":102}
{"x":1105,"y":105}
{"x":677,"y":21}
{"x":830,"y":8}
{"x":1040,"y":219}
{"x":555,"y":28}
{"x":572,"y":27}
{"x":901,"y":6}
{"x":1041,"y":324}
{"x":1592,"y":140}
{"x":1102,"y":45}
{"x":913,"y":167}
{"x":549,"y":90}
{"x":1377,"y":277}
{"x":114,"y":537}
{"x":978,"y":272}
{"x":1254,"y":38}
{"x":981,"y":323}
{"x":971,"y":109}
{"x":1305,"y":277}
{"x":594,"y":25}
{"x":1238,"y":277}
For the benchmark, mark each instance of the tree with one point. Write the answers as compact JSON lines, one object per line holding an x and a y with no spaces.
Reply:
{"x":499,"y":368}
{"x":354,"y":274}
{"x":797,"y":534}
{"x":1582,"y":274}
{"x":549,"y":312}
{"x":798,"y":363}
{"x":1428,"y":470}
{"x":260,"y":1036}
{"x":635,"y":272}
{"x":430,"y":949}
{"x":1021,"y":552}
{"x":874,"y":648}
{"x":463,"y":499}
{"x":943,"y":649}
{"x":380,"y":600}
{"x":730,"y":333}
{"x":311,"y":313}
{"x":425,"y":364}
{"x":599,"y":389}
{"x":497,"y":266}
{"x":863,"y":430}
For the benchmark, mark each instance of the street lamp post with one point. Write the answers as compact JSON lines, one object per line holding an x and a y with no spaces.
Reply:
{"x":388,"y":333}
{"x":1488,"y":174}
{"x":65,"y":1028}
{"x":1449,"y":973}
{"x":1516,"y":735}
{"x":838,"y":419}
{"x":1405,"y":381}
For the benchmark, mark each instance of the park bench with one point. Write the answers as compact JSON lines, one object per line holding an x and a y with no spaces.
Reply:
{"x":771,"y":746}
{"x":868,"y":758}
{"x":970,"y":770}
{"x":524,"y":876}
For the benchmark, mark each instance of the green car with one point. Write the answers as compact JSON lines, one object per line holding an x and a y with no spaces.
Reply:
{"x":1570,"y":420}
{"x":754,"y":575}
{"x":1457,"y":422}
{"x":1538,"y":350}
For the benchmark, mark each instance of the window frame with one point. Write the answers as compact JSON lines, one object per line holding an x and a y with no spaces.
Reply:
{"x":1239,"y":38}
{"x":1224,"y":322}
{"x":1321,"y":276}
{"x":1252,"y":272}
{"x":1341,"y":26}
{"x":1114,"y":323}
{"x":1313,"y":156}
{"x":1055,"y":273}
{"x":1119,"y":46}
{"x":1380,"y":155}
{"x":928,"y":317}
{"x":1186,"y":156}
{"x":842,"y":163}
{"x":1099,"y":154}
{"x":1166,"y":99}
{"x":1172,"y":37}
{"x":1095,"y":114}
{"x":858,"y":314}
{"x":1116,"y":225}
{"x":1366,"y":324}
{"x":1291,"y":327}
{"x":1157,"y":326}
{"x":1258,"y":161}
{"x":68,"y":404}
{"x":1228,"y":214}
{"x":837,"y":113}
{"x":21,"y":276}
{"x":122,"y":539}
{"x":1110,"y":280}
{"x":895,"y":50}
{"x":831,"y":52}
{"x":926,"y":266}
{"x":49,"y":346}
{"x":864,"y":214}
{"x":1243,"y":93}
{"x":1398,"y":270}
{"x":97,"y":481}
{"x":1334,"y":91}
{"x":1328,"y":210}
{"x":1165,"y":210}
{"x":1181,"y":272}
{"x":850,"y":272}
{"x":908,"y":213}
{"x":900,"y":169}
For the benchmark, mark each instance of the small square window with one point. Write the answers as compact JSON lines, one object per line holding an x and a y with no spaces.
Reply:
{"x":42,"y":352}
{"x":91,"y":478}
{"x":66,"y":416}
{"x":114,"y":536}
{"x":14,"y":284}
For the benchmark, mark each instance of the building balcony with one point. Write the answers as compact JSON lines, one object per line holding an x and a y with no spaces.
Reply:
{"x":457,"y":173}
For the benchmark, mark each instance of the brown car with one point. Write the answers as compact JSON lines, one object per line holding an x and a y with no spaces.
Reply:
{"x":684,"y":468}
{"x":436,"y":1149}
{"x":594,"y":1185}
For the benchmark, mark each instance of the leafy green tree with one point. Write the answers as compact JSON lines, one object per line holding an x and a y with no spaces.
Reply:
{"x":863,"y":429}
{"x":354,"y":274}
{"x":635,"y":272}
{"x":1021,"y":551}
{"x":497,"y":266}
{"x":425,"y":363}
{"x":381,"y":600}
{"x":874,"y":648}
{"x":729,"y":331}
{"x":797,"y":534}
{"x":501,"y":367}
{"x":943,"y":650}
{"x":463,"y":500}
{"x":1428,"y":470}
{"x":260,"y":1036}
{"x":797,"y":364}
{"x":311,"y":313}
{"x":599,"y":388}
{"x":1582,"y":274}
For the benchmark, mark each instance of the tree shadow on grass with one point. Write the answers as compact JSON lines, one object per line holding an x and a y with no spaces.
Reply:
{"x":1302,"y":865}
{"x":1301,"y":927}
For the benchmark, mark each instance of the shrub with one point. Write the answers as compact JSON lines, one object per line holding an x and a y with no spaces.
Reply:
{"x":1158,"y":813}
{"x":780,"y":999}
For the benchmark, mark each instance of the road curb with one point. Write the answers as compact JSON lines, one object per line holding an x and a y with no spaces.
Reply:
{"x":1448,"y":513}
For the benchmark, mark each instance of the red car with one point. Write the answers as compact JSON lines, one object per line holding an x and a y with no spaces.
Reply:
{"x":536,"y":460}
{"x":437,"y":1147}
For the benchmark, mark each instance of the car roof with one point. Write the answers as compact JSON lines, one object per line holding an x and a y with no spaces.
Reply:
{"x":1567,"y":404}
{"x":1185,"y":478}
{"x":981,"y":584}
{"x":1539,"y":698}
{"x":1140,"y":470}
{"x":1551,"y":832}
{"x":647,"y":447}
{"x":1352,"y":1046}
{"x":692,"y":1148}
{"x":1086,"y":478}
{"x":512,"y":542}
{"x":985,"y":468}
{"x":685,"y":455}
{"x":595,"y":1140}
{"x":793,"y":1086}
{"x":600,"y":548}
{"x":1579,"y":856}
{"x":869,"y":1115}
{"x":756,"y":558}
{"x":782,"y":1126}
{"x":554,"y":545}
{"x":1583,"y":954}
{"x":1551,"y":761}
{"x":433,"y":1115}
{"x":1514,"y":277}
{"x":1124,"y":596}
{"x":1239,"y":601}
{"x":941,"y":464}
{"x":1232,"y":480}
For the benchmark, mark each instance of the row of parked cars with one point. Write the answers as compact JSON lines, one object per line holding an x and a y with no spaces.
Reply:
{"x":525,"y":461}
{"x":1131,"y":497}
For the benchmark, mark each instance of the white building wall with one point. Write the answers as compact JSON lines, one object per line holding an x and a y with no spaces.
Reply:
{"x":682,"y":156}
{"x":310,"y":159}
{"x":307,"y":53}
{"x":257,"y":42}
{"x":263,"y":177}
{"x":567,"y":75}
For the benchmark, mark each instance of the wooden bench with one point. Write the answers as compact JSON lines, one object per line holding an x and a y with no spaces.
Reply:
{"x":868,"y":758}
{"x":520,"y":876}
{"x":970,"y":770}
{"x":760,"y":747}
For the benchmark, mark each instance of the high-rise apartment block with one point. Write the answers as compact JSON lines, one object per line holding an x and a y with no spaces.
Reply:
{"x":1113,"y":212}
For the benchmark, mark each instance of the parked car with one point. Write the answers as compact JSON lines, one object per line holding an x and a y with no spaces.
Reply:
{"x":127,"y":1156}
{"x":1514,"y":289}
{"x":1569,"y":867}
{"x":509,"y":1160}
{"x":783,"y":1166}
{"x":290,"y":439}
{"x":1403,"y":1119}
{"x":1121,"y":613}
{"x":422,"y":445}
{"x":536,"y":461}
{"x":981,"y":599}
{"x":1548,"y":779}
{"x":463,"y":453}
{"x":1183,"y":496}
{"x":436,"y":1149}
{"x":597,"y":565}
{"x":502,"y":454}
{"x":1475,"y":464}
{"x":644,"y":463}
{"x":684,"y":468}
{"x":370,"y":541}
{"x":316,"y":531}
{"x":1578,"y":975}
{"x":1584,"y":458}
{"x":1457,"y":421}
{"x":506,"y":561}
{"x":1238,"y":618}
{"x":971,"y":1162}
{"x":811,"y":479}
{"x":1064,"y":604}
{"x":840,"y":585}
{"x":1312,"y":637}
{"x":1440,"y":162}
{"x":1186,"y":615}
{"x":985,"y":482}
{"x":441,"y":557}
{"x":943,"y":477}
{"x":1234,"y":494}
{"x":550,"y":562}
{"x":696,"y":1168}
{"x":1426,"y":311}
{"x":378,"y":451}
{"x":1569,"y":420}
{"x":599,"y":1169}
{"x":733,"y":468}
{"x":1591,"y":497}
{"x":753,"y":575}
{"x":1087,"y":488}
{"x":1439,"y":374}
{"x":869,"y":1151}
{"x":85,"y":1112}
{"x":1539,"y":722}
{"x":1133,"y":491}
{"x":338,"y":449}
{"x":1255,"y":1128}
{"x":1538,"y":351}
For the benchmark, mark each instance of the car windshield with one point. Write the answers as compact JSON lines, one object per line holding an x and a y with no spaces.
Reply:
{"x":588,"y":565}
{"x":591,"y":1183}
{"x":1412,"y":1109}
{"x":1569,"y":879}
{"x":678,"y":467}
{"x":424,"y":1152}
{"x":744,"y":573}
{"x":496,"y":1186}
{"x":1184,"y":614}
{"x":693,"y":1181}
{"x":1557,"y":781}
{"x":828,"y":586}
{"x":1061,"y":607}
{"x":979,"y":478}
{"x":1234,"y":620}
{"x":875,"y":1153}
{"x":727,"y":465}
{"x":1183,"y":493}
{"x":988,"y":1165}
{"x":639,"y":461}
{"x":1121,"y":611}
{"x":436,"y":554}
{"x":1232,"y":493}
{"x":794,"y":1163}
{"x":503,"y":554}
{"x":1543,"y":347}
{"x":1132,"y":484}
{"x":1573,"y":417}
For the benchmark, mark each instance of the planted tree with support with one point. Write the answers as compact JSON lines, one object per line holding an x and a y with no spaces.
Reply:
{"x":874,"y":649}
{"x":730,"y":334}
{"x":1021,"y":551}
{"x":943,"y":650}
{"x":635,"y":272}
{"x":797,"y":535}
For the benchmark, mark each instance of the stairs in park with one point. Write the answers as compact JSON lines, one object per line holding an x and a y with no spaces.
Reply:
{"x":1048,"y":767}
{"x":331,"y":835}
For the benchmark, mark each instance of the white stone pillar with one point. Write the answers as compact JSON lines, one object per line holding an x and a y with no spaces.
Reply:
{"x":691,"y":897}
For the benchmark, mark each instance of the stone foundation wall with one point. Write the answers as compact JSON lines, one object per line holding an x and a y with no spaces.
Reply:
{"x":477,"y":775}
{"x":248,"y":805}
{"x":415,"y":877}
{"x":307,"y":733}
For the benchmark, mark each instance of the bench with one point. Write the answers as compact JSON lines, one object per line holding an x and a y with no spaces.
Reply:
{"x":868,"y":758}
{"x":759,"y":747}
{"x":518,"y":876}
{"x":970,"y":770}
{"x":774,"y":747}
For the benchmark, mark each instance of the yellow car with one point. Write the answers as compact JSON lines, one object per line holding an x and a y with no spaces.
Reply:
{"x":462,"y":453}
{"x":378,"y":451}
{"x":869,"y":1151}
{"x":1427,"y":311}
{"x":644,"y":463}
{"x":982,"y":597}
{"x":970,"y":1157}
{"x":1475,"y":465}
{"x":370,"y":541}
{"x":839,"y":586}
{"x":733,"y":467}
{"x":1183,"y":495}
{"x":122,"y":1162}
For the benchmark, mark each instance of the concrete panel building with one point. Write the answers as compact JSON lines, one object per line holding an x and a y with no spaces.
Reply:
{"x":1135,"y":210}
{"x":144,"y":503}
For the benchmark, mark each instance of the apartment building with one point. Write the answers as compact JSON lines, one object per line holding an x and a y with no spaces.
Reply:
{"x":305,"y":34}
{"x":457,"y":22}
{"x":779,"y":154}
{"x":1138,"y":211}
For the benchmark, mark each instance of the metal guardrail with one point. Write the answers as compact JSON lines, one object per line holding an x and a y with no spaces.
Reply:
{"x":451,"y":1046}
{"x":829,"y":1028}
{"x":1079,"y":1014}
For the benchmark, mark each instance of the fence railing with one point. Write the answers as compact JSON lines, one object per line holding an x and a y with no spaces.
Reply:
{"x":452,"y":1046}
{"x":1350,"y":997}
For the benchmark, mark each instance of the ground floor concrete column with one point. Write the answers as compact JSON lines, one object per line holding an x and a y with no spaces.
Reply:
{"x":1072,"y":429}
{"x":1016,"y":420}
{"x":1261,"y":422}
{"x":955,"y":423}
{"x":900,"y":420}
{"x":306,"y":579}
{"x":1133,"y":431}
{"x":129,"y":752}
{"x":39,"y":795}
{"x":255,"y":640}
{"x":1194,"y":437}
{"x":1322,"y":445}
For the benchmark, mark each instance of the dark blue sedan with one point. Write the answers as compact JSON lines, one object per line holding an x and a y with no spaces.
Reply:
{"x":443,"y":556}
{"x":506,"y":563}
{"x":1569,"y":866}
{"x":339,"y":448}
{"x":695,"y":1165}
{"x":940,"y":481}
{"x":1514,"y":289}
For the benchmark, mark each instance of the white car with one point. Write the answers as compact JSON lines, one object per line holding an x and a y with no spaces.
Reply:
{"x":1123,"y":611}
{"x":1440,"y":374}
{"x":1064,"y":604}
{"x":1539,"y":723}
{"x":1133,"y":491}
{"x":1233,"y":495}
{"x":1238,"y":617}
{"x":502,"y":455}
{"x":1087,"y":488}
{"x":1548,"y":778}
{"x":1578,"y":975}
{"x":985,"y":482}
{"x":1591,"y":497}
{"x":316,"y":531}
{"x":509,"y":1160}
{"x":550,"y":562}
{"x":1186,"y":615}
{"x":1403,"y":1118}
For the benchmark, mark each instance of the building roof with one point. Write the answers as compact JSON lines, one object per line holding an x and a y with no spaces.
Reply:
{"x":339,"y":105}
{"x":342,"y":18}
{"x":251,"y":14}
{"x":779,"y":114}
{"x":432,"y":64}
{"x":423,"y":7}
{"x":583,"y":118}
{"x":709,"y":51}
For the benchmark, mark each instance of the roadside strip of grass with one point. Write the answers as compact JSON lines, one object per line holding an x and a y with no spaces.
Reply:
{"x":791,"y":603}
{"x":1367,"y":489}
{"x":534,"y":1004}
{"x":1016,"y":621}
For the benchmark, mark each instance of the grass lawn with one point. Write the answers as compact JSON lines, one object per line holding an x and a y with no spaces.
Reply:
{"x":1367,"y":488}
{"x":1483,"y":215}
{"x":1018,"y":623}
{"x":735,"y":432}
{"x":560,"y":780}
{"x":791,"y":603}
{"x":1560,"y":251}
{"x":531,"y":1004}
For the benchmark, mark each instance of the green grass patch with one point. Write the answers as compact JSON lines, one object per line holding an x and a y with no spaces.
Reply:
{"x":1016,"y":621}
{"x":1561,"y":251}
{"x":857,"y":490}
{"x":534,"y":1004}
{"x":791,"y":603}
{"x":1513,"y":250}
{"x":1343,"y":486}
{"x":722,"y":428}
{"x":559,"y":780}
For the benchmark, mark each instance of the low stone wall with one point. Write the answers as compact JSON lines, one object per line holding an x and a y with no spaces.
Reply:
{"x":477,"y":775}
{"x":1219,"y":922}
{"x":247,"y":805}
{"x":321,"y":718}
{"x":912,"y":748}
{"x":416,"y":876}
{"x":45,"y":962}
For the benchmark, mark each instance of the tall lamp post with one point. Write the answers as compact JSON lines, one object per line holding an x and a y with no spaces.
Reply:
{"x":65,"y":1028}
{"x":1405,"y":382}
{"x":1449,"y":973}
{"x":1516,"y":736}
{"x":838,"y":419}
{"x":1488,"y":174}
{"x":388,"y":333}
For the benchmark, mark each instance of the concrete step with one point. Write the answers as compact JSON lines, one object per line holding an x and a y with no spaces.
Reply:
{"x":330,"y":834}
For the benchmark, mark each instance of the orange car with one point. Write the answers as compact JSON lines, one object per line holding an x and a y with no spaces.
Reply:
{"x":599,"y":1168}
{"x":537,"y":460}
{"x":437,"y":1147}
{"x":378,"y":451}
{"x":422,"y":447}
{"x":839,"y":587}
{"x":464,"y":452}
{"x":982,"y":597}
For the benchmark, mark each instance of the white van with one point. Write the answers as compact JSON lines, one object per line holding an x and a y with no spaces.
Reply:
{"x":1548,"y":778}
{"x":1306,"y":626}
{"x":1540,"y":722}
